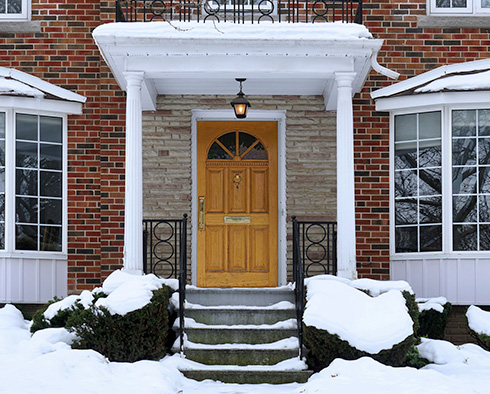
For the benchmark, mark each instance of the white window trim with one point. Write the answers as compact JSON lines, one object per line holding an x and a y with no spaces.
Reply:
{"x":446,"y":144}
{"x":25,"y":15}
{"x":9,"y":250}
{"x":473,"y":8}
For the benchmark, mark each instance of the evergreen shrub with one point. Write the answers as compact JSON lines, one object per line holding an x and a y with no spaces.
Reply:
{"x":142,"y":334}
{"x":432,"y":323}
{"x":482,"y":339}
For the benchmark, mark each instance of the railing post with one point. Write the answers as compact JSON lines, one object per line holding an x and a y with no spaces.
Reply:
{"x":358,"y":17}
{"x":145,"y":249}
{"x":182,"y":280}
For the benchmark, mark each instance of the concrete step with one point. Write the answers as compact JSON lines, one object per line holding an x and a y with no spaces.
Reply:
{"x":234,"y":335}
{"x":239,"y":316}
{"x":249,"y":377}
{"x":241,"y":357}
{"x":239,"y":296}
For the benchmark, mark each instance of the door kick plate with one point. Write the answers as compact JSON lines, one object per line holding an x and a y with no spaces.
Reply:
{"x":237,"y":219}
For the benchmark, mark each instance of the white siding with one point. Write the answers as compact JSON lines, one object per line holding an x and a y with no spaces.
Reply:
{"x":30,"y":280}
{"x":463,"y":280}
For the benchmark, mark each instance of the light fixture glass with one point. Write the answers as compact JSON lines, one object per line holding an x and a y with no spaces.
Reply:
{"x":240,"y":104}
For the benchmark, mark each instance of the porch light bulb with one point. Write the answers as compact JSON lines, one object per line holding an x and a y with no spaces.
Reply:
{"x":240,"y":104}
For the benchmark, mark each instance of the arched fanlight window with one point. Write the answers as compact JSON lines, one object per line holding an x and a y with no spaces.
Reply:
{"x":237,"y":145}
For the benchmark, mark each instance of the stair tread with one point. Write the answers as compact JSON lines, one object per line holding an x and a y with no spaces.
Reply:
{"x":250,"y":376}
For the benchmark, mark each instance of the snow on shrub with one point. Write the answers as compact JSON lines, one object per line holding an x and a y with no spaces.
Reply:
{"x":433,"y":316}
{"x":341,"y":321}
{"x":125,"y":320}
{"x":479,"y":325}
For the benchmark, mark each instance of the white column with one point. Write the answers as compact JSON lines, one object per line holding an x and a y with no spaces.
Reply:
{"x":133,"y":203}
{"x":346,"y":219}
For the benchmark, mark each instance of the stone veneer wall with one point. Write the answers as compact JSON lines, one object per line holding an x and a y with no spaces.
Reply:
{"x":310,"y":155}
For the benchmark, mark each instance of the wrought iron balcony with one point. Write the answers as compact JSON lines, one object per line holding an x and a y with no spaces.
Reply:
{"x":240,"y":11}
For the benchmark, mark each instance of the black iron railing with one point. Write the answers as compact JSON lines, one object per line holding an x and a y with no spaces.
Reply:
{"x":165,"y":255}
{"x":239,"y":11}
{"x":314,"y":253}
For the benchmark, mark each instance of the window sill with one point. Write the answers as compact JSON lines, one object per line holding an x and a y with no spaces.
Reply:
{"x":34,"y":255}
{"x":20,"y":27}
{"x":441,"y":255}
{"x":453,"y":21}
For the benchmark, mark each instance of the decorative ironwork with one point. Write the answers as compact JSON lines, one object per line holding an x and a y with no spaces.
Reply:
{"x":314,"y":253}
{"x":239,"y":11}
{"x":165,"y":255}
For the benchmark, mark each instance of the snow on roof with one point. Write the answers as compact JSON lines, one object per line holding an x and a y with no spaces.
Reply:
{"x":455,"y":77}
{"x":369,"y":324}
{"x":478,"y":320}
{"x":223,"y":30}
{"x":17,"y":83}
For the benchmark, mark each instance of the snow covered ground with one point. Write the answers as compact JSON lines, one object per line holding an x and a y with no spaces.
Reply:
{"x":45,"y":363}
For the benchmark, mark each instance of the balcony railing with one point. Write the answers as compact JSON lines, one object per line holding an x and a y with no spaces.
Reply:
{"x":240,"y":11}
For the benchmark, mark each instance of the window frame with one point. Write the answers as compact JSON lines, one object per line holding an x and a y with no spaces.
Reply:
{"x":25,"y":15}
{"x":473,"y":8}
{"x":10,"y":193}
{"x":446,"y":109}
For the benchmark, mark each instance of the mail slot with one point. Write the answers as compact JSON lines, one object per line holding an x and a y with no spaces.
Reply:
{"x":237,"y":219}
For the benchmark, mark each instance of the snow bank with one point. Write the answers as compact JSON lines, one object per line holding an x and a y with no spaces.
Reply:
{"x":13,"y":329}
{"x":437,"y":303}
{"x":369,"y":324}
{"x":478,"y":320}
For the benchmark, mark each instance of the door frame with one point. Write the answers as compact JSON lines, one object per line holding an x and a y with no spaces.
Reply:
{"x":253,"y":115}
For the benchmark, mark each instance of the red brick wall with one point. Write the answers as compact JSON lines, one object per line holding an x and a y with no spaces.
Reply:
{"x":409,"y":50}
{"x":64,"y":53}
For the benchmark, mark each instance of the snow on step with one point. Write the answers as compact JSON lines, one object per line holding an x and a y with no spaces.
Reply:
{"x":283,"y":324}
{"x":288,"y":343}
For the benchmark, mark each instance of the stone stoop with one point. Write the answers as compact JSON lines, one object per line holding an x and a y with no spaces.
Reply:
{"x":239,"y":334}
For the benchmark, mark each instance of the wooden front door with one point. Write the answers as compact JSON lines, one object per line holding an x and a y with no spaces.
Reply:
{"x":237,"y":204}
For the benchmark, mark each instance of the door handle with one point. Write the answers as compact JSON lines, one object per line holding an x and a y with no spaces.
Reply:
{"x":202,"y":209}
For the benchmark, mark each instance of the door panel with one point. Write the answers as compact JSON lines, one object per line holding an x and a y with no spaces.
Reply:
{"x":237,"y":239}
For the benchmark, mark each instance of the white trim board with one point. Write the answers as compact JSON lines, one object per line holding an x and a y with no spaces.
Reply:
{"x":253,"y":115}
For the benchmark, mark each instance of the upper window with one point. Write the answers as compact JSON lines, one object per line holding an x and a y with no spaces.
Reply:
{"x":237,"y":145}
{"x":14,"y":9}
{"x":442,"y":191}
{"x":463,"y":7}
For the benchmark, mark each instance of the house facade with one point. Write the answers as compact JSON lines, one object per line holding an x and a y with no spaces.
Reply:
{"x":147,"y":132}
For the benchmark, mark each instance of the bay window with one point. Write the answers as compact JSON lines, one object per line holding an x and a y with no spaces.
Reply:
{"x":459,"y":7}
{"x":14,"y":9}
{"x":441,"y":181}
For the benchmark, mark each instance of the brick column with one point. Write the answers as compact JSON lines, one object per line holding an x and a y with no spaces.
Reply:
{"x":346,"y":220}
{"x":133,"y":203}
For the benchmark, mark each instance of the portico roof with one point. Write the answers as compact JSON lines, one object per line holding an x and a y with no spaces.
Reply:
{"x":205,"y":58}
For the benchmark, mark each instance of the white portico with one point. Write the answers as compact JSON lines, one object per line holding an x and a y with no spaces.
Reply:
{"x":325,"y":59}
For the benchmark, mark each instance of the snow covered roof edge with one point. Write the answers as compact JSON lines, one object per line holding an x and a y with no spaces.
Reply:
{"x":39,"y":84}
{"x":429,"y":76}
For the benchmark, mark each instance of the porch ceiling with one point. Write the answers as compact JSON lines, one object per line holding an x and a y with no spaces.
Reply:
{"x":205,"y":59}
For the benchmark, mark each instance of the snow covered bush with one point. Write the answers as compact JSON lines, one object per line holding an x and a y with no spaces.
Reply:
{"x":479,"y":325}
{"x":433,"y":316}
{"x":342,"y":321}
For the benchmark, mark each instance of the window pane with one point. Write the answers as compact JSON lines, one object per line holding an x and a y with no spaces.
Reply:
{"x":484,"y":114}
{"x":50,"y":184}
{"x":405,"y":155}
{"x":430,"y":153}
{"x":430,"y":182}
{"x":2,"y":236}
{"x":229,"y":141}
{"x":51,"y":211}
{"x":2,"y":180}
{"x":430,"y":238}
{"x":2,"y":207}
{"x":26,"y":154}
{"x":26,"y":237}
{"x":464,"y":151}
{"x":459,"y":3}
{"x":26,"y":127}
{"x":485,"y":237}
{"x":406,"y":211}
{"x":465,"y":237}
{"x":405,"y":127}
{"x":14,"y":6}
{"x":483,"y":151}
{"x":2,"y":124}
{"x":26,"y":182}
{"x":485,"y":208}
{"x":464,"y":209}
{"x":2,"y":7}
{"x":484,"y":179}
{"x":216,"y":152}
{"x":406,"y":239}
{"x":464,"y":123}
{"x":464,"y":180}
{"x":443,"y":4}
{"x":430,"y":125}
{"x":256,"y":153}
{"x":51,"y":156}
{"x":26,"y":210}
{"x":405,"y":183}
{"x":430,"y":210}
{"x":2,"y":152}
{"x":50,"y":238}
{"x":51,"y":129}
{"x":246,"y":140}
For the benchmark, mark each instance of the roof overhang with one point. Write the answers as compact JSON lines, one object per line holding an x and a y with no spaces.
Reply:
{"x":205,"y":58}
